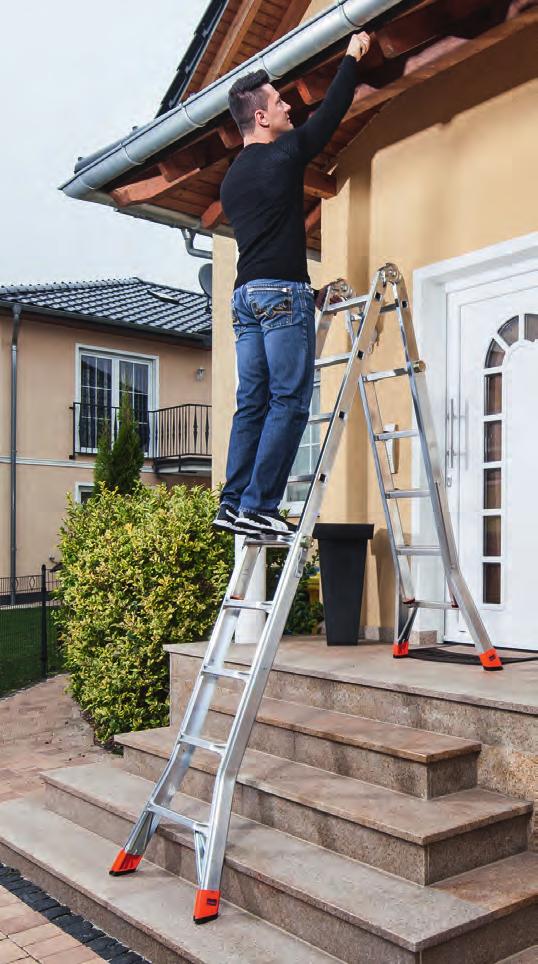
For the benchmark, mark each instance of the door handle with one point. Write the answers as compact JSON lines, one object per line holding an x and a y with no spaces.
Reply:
{"x":451,"y":421}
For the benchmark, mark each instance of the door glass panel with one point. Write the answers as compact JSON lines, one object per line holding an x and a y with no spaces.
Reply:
{"x":495,"y":355}
{"x":95,"y":398}
{"x":492,"y":489}
{"x":492,"y":442}
{"x":510,"y":330}
{"x":492,"y":535}
{"x":493,"y":399}
{"x":491,"y":591}
{"x":531,"y":327}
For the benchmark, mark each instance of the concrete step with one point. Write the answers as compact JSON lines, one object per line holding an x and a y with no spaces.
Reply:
{"x":340,"y":905}
{"x":150,"y":911}
{"x":402,"y":758}
{"x":421,"y":840}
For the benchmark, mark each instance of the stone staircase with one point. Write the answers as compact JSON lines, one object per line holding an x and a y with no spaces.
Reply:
{"x":352,"y":839}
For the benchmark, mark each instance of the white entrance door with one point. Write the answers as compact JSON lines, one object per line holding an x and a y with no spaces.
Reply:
{"x":492,"y":453}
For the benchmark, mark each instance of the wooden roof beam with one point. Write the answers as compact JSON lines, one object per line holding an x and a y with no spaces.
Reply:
{"x":313,"y":218}
{"x":317,"y":184}
{"x":233,"y":39}
{"x":212,"y":216}
{"x":292,"y":18}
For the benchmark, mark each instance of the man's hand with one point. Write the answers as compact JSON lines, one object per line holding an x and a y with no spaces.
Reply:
{"x":359,"y":45}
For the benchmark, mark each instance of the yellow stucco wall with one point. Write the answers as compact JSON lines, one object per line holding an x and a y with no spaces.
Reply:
{"x":46,"y":389}
{"x":446,"y":168}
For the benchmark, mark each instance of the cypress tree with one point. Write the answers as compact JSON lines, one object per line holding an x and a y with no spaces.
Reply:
{"x":101,"y":472}
{"x":127,"y":454}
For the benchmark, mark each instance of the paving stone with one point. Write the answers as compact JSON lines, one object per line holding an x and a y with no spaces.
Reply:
{"x":52,"y":945}
{"x":40,"y":932}
{"x":21,"y":921}
{"x":11,"y":952}
{"x":74,"y":955}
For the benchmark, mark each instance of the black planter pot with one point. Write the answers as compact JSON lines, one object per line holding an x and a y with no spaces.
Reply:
{"x":342,"y":559}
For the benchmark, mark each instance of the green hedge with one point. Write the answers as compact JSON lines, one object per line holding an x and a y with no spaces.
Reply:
{"x":138,"y":571}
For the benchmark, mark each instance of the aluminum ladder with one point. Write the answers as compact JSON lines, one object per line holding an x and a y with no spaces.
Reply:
{"x":361,"y":316}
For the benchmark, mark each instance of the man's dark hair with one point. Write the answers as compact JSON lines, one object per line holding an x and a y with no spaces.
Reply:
{"x":246,"y":97}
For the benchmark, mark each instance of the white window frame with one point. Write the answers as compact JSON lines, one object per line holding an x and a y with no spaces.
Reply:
{"x":81,"y":487}
{"x":117,"y":355}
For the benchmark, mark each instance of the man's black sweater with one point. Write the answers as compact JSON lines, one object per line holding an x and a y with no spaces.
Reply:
{"x":262,"y":192}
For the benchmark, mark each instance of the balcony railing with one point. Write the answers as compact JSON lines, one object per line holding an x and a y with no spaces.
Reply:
{"x":177,"y":439}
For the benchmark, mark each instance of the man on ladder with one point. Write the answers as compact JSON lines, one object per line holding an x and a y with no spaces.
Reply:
{"x":273,"y":302}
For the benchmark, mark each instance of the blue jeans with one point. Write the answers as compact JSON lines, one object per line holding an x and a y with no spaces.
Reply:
{"x":276,"y":345}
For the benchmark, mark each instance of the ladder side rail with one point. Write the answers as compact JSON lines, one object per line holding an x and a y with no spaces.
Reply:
{"x":402,"y":565}
{"x":204,"y":687}
{"x":195,"y":713}
{"x":430,"y":453}
{"x":245,"y":717}
{"x":361,"y":345}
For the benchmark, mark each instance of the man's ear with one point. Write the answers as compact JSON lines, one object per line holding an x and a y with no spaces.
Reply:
{"x":260,"y":117}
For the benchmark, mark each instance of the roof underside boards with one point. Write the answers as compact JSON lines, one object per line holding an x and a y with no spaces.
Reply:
{"x":122,"y":300}
{"x":410,"y":44}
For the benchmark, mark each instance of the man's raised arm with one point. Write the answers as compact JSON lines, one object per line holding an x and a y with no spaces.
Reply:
{"x":312,"y":136}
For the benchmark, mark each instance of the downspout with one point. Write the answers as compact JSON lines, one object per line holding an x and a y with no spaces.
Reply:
{"x":189,"y":236}
{"x":17,"y":309}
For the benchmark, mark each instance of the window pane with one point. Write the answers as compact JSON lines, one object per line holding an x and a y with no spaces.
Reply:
{"x":492,"y":488}
{"x":510,"y":330}
{"x":492,"y":441}
{"x":95,"y":398}
{"x":531,"y":327}
{"x":492,"y":535}
{"x":297,"y":491}
{"x":493,"y":399}
{"x":491,"y":592}
{"x":495,"y":355}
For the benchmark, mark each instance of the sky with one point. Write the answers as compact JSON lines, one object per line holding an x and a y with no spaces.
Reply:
{"x":73,"y":78}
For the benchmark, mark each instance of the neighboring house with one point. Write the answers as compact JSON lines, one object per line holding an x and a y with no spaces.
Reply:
{"x":434,"y":169}
{"x":76,"y":349}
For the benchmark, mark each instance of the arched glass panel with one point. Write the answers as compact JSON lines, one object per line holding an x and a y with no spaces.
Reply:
{"x":531,"y":327}
{"x":510,"y":330}
{"x":495,"y":355}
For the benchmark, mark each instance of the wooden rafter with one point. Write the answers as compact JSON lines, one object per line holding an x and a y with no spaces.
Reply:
{"x":319,"y":185}
{"x":229,"y":47}
{"x":212,"y":216}
{"x":292,"y":18}
{"x":313,"y":218}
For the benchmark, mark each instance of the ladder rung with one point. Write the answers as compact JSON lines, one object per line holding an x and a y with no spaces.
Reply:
{"x":418,"y":550}
{"x":176,"y":817}
{"x":203,"y":744}
{"x":282,"y":541}
{"x":426,"y":604}
{"x":391,"y":373}
{"x":332,"y":360}
{"x":407,"y":493}
{"x":345,"y":305}
{"x":405,"y":433}
{"x":300,"y":478}
{"x":324,"y":417}
{"x":238,"y":674}
{"x":265,"y":606}
{"x":392,"y":307}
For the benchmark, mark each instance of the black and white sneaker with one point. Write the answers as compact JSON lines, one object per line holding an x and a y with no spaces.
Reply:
{"x":264,"y":523}
{"x":225,"y":518}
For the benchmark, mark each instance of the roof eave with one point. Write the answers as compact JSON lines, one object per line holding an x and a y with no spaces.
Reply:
{"x":193,"y":340}
{"x":278,"y":59}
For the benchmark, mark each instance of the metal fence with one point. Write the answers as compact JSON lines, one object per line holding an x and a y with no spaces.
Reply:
{"x":30,"y":647}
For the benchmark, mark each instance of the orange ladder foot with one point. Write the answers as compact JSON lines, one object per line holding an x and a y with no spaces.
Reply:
{"x":125,"y":864}
{"x":490,"y":660}
{"x":399,"y":650}
{"x":206,"y":906}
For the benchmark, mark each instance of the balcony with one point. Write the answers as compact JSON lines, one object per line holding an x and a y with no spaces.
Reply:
{"x":177,"y":439}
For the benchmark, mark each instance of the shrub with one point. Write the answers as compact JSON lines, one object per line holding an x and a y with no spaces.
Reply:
{"x":118,"y":465}
{"x":138,"y":571}
{"x":304,"y":616}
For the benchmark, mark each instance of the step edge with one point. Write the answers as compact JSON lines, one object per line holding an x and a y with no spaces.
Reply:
{"x":514,"y":808}
{"x":468,"y":748}
{"x":121,"y":912}
{"x":179,"y":836}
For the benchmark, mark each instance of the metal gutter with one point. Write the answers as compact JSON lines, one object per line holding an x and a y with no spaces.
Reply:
{"x":282,"y":56}
{"x":16,"y":310}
